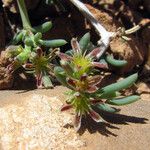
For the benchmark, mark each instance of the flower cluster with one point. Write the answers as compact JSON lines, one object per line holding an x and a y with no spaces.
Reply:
{"x":35,"y":53}
{"x":77,"y":72}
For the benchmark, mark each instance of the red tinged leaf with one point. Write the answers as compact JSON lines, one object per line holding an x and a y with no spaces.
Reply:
{"x":94,"y":53}
{"x":71,"y":82}
{"x":39,"y":80}
{"x":39,"y":51}
{"x":95,"y":116}
{"x":64,"y":57}
{"x":83,"y":77}
{"x":66,"y":107}
{"x":28,"y":66}
{"x":77,"y":121}
{"x":92,"y":89}
{"x":100,"y":65}
{"x":96,"y":101}
{"x":75,"y":45}
{"x":94,"y":80}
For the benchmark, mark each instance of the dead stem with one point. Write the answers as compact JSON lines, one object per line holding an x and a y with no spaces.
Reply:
{"x":103,"y":33}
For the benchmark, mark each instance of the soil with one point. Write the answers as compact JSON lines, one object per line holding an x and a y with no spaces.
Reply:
{"x":12,"y":4}
{"x":133,"y":51}
{"x":127,"y":130}
{"x":2,"y":33}
{"x":6,"y":79}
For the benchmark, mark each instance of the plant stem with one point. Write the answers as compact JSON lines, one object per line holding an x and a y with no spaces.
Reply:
{"x":24,"y":14}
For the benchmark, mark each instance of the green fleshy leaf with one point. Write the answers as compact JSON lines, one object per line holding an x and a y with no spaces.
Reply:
{"x":37,"y":36}
{"x":115,"y":62}
{"x":28,"y":41}
{"x":120,"y":85}
{"x":107,"y":108}
{"x":47,"y":81}
{"x":69,"y":52}
{"x":14,"y":50}
{"x":84,"y":42}
{"x":43,"y":28}
{"x":124,"y":100}
{"x":17,"y":38}
{"x":52,"y":43}
{"x":110,"y":95}
{"x":60,"y":75}
{"x":23,"y":56}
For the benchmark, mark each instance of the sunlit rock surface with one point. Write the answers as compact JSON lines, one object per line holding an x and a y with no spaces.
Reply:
{"x":37,"y":125}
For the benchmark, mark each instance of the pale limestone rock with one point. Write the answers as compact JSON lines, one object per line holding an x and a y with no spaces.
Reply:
{"x":37,"y":124}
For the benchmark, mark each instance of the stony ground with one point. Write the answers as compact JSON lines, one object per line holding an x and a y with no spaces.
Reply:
{"x":31,"y":120}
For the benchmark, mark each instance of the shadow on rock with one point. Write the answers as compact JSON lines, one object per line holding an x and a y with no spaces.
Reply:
{"x":122,"y":119}
{"x":92,"y":127}
{"x":105,"y":127}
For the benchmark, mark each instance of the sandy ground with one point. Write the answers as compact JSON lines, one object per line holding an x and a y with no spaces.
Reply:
{"x":128,"y":130}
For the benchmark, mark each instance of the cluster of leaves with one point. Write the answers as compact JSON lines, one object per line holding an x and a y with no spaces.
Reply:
{"x":34,"y":53}
{"x":78,"y":73}
{"x":79,"y":69}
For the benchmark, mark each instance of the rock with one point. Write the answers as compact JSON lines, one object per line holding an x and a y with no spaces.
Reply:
{"x":12,"y":4}
{"x":143,"y":87}
{"x":104,"y":18}
{"x":37,"y":124}
{"x":133,"y":51}
{"x":32,"y":120}
{"x":6,"y":79}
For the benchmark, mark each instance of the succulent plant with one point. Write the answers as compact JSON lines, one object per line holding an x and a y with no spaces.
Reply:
{"x":77,"y":72}
{"x":35,"y":54}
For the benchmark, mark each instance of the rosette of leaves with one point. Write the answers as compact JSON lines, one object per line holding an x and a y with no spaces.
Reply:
{"x":77,"y":73}
{"x":35,"y":52}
